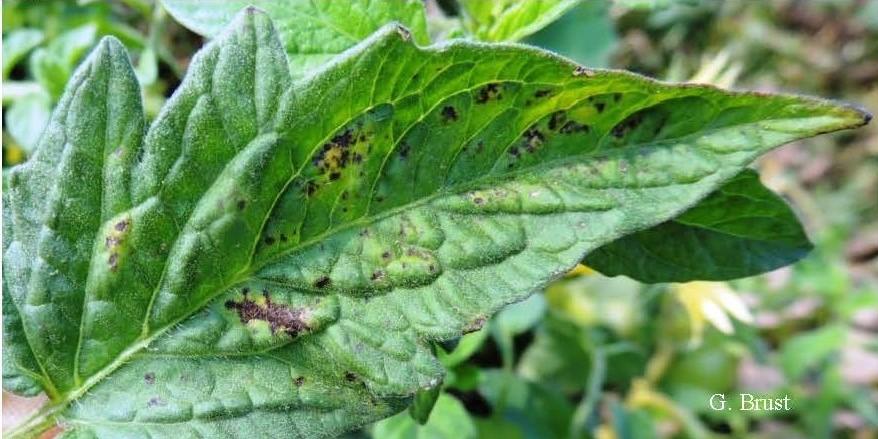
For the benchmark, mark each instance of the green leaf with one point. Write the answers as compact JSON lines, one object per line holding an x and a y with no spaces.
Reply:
{"x":557,"y":355}
{"x":275,"y":257}
{"x":654,"y":4}
{"x":805,"y":351}
{"x":449,"y":420}
{"x":53,"y":64}
{"x":741,"y":230}
{"x":511,"y":20}
{"x":423,"y":404}
{"x":586,"y":34}
{"x":312,"y":31}
{"x":16,"y":45}
{"x":26,"y":118}
{"x":513,"y":320}
{"x":465,"y":347}
{"x":537,"y":410}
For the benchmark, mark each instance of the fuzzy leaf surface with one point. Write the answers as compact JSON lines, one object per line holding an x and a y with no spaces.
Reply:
{"x":274,"y":258}
{"x":743,"y":229}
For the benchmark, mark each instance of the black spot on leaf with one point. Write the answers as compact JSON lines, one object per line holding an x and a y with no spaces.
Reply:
{"x":449,"y":114}
{"x":149,"y":378}
{"x":557,"y":120}
{"x":533,"y":139}
{"x":582,"y":71}
{"x":113,"y":261}
{"x":488,"y":92}
{"x":155,"y":401}
{"x":573,"y":127}
{"x":630,"y":123}
{"x":322,"y":282}
{"x":309,"y":187}
{"x":335,"y":155}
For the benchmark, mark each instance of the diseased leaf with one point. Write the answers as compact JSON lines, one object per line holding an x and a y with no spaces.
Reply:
{"x":511,"y":20}
{"x":276,"y":258}
{"x":741,"y":230}
{"x":312,"y":31}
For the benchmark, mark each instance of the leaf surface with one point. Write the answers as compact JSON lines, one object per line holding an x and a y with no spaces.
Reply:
{"x":274,"y":258}
{"x":449,"y":420}
{"x":741,"y":230}
{"x":511,"y":20}
{"x":312,"y":31}
{"x":16,"y":45}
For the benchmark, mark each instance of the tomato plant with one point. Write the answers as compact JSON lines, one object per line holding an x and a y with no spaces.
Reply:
{"x":327,"y":196}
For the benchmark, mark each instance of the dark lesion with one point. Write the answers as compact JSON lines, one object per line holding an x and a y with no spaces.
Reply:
{"x":280,"y":317}
{"x":449,"y":114}
{"x":488,"y":92}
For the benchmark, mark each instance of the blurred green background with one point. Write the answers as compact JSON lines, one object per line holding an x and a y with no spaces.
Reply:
{"x":593,"y":356}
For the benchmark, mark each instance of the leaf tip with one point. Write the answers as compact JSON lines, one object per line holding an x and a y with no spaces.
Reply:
{"x":867,"y":116}
{"x":110,"y":46}
{"x":858,"y":114}
{"x":250,"y":16}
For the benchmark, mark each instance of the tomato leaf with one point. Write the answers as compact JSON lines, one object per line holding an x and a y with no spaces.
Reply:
{"x":741,"y":230}
{"x":274,"y":257}
{"x":312,"y":31}
{"x":511,"y":20}
{"x":17,"y":45}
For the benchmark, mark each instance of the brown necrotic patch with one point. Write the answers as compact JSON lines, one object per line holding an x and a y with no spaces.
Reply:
{"x":113,"y":242}
{"x":121,"y":226}
{"x":280,"y":317}
{"x":335,"y":155}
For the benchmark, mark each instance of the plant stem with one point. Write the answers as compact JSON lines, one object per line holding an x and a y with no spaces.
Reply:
{"x":37,"y":424}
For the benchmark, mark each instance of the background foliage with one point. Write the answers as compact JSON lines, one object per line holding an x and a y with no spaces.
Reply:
{"x":603,"y":357}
